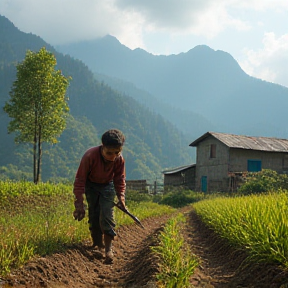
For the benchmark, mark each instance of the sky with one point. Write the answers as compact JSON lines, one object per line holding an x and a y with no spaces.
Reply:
{"x":254,"y":32}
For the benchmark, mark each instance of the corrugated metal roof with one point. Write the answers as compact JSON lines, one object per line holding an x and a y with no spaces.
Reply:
{"x":247,"y":142}
{"x":177,"y":169}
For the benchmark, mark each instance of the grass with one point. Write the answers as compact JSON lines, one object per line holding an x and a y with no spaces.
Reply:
{"x":176,"y":263}
{"x":37,"y":220}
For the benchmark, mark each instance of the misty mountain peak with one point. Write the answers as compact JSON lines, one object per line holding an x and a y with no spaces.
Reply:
{"x":201,"y":49}
{"x":109,"y":39}
{"x":5,"y":23}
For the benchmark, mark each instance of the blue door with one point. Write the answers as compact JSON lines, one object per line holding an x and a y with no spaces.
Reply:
{"x":204,"y":183}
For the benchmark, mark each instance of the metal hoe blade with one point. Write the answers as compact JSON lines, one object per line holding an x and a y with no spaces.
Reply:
{"x":136,"y":220}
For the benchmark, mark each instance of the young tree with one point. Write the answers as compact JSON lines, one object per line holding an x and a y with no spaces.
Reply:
{"x":38,"y":103}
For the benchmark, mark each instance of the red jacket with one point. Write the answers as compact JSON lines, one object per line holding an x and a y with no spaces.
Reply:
{"x":94,"y":168}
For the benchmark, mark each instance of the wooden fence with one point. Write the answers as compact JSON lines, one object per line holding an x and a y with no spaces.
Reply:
{"x":144,"y":187}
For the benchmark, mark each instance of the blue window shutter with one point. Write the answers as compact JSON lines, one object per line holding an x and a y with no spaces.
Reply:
{"x":254,"y":165}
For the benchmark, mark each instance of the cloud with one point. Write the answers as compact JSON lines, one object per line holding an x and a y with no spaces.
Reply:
{"x":271,"y":62}
{"x":260,"y":5}
{"x":71,"y":20}
{"x":168,"y":14}
{"x":65,"y":21}
{"x":166,"y":24}
{"x":59,"y":22}
{"x":206,"y":18}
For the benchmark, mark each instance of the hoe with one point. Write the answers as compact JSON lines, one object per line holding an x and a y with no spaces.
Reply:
{"x":136,"y":220}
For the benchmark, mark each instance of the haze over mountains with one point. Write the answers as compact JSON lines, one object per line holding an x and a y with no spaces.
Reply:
{"x":207,"y":83}
{"x":162,"y":103}
{"x":153,"y":143}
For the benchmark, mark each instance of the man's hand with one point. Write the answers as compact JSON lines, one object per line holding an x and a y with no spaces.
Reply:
{"x":121,"y":202}
{"x":79,"y":212}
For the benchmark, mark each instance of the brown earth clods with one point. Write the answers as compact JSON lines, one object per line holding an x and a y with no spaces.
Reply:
{"x":135,"y":266}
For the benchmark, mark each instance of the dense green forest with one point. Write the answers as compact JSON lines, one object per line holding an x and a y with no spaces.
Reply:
{"x":152,"y":145}
{"x":188,"y":122}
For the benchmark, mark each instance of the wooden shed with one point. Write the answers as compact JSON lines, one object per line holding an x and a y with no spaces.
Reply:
{"x":137,"y":185}
{"x":180,"y":176}
{"x":222,"y":159}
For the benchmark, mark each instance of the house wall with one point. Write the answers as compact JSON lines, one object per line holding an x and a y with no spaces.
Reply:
{"x":216,"y":169}
{"x":173,"y":179}
{"x":182,"y":178}
{"x":190,"y":177}
{"x":231,"y":160}
{"x":270,"y":160}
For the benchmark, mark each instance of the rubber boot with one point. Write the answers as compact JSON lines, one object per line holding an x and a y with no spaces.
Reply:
{"x":97,"y":239}
{"x":108,"y":249}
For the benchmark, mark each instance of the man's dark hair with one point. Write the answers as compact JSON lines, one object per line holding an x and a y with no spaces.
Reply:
{"x":113,"y":138}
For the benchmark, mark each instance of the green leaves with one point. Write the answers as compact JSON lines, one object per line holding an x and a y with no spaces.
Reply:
{"x":264,"y":181}
{"x":176,"y":262}
{"x":38,"y":101}
{"x":38,"y":104}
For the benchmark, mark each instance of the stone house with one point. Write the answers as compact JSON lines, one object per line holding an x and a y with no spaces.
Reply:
{"x":223,"y":158}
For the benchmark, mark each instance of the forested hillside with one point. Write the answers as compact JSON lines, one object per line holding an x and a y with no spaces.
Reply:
{"x":152,"y":142}
{"x":203,"y":81}
{"x":190,"y":123}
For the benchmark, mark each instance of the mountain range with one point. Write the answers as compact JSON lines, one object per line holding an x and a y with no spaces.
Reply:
{"x":152,"y":145}
{"x":162,"y":103}
{"x":204,"y":84}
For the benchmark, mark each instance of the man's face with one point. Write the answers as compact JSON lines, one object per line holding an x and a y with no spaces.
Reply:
{"x":110,"y":154}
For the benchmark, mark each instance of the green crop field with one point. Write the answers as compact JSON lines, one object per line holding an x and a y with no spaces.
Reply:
{"x":256,"y":223}
{"x":37,"y":220}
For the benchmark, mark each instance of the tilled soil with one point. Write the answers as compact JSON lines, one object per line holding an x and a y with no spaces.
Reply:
{"x":135,"y":266}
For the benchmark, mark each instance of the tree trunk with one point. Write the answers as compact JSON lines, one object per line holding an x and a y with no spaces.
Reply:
{"x":39,"y":157}
{"x":34,"y":154}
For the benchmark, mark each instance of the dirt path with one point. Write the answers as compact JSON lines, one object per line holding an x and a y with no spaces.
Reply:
{"x":135,"y":266}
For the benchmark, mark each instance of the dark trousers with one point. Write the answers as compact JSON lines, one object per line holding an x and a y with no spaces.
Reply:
{"x":100,"y":199}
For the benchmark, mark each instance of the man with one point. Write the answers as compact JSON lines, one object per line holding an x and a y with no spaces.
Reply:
{"x":100,"y":173}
